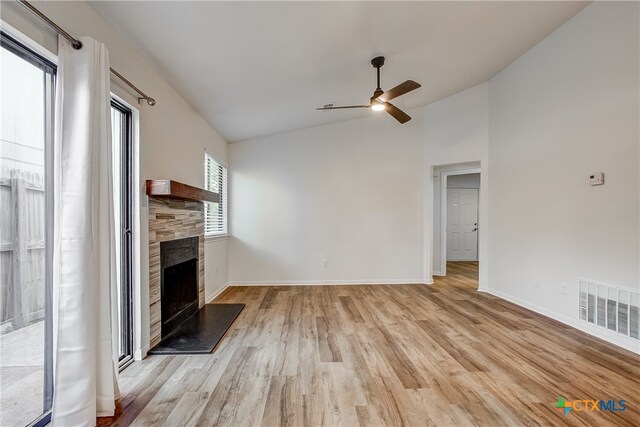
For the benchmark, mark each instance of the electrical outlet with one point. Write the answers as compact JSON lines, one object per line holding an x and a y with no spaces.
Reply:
{"x":563,"y":288}
{"x":325,"y":263}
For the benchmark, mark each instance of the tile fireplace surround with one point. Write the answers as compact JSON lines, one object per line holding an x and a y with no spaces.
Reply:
{"x":171,"y":219}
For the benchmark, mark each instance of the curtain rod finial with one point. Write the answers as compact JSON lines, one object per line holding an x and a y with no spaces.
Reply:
{"x":150,"y":101}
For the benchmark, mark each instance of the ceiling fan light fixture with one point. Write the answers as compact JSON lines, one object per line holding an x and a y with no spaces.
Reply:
{"x":377,"y":106}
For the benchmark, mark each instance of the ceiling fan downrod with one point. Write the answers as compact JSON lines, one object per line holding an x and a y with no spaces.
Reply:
{"x":377,"y":63}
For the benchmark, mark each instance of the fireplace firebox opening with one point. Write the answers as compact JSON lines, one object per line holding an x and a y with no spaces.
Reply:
{"x":178,"y":282}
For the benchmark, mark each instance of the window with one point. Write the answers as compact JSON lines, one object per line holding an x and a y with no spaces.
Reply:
{"x":215,"y":214}
{"x":26,"y":218}
{"x":123,"y":195}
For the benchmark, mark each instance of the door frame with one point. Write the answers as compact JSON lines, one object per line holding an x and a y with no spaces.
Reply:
{"x":443,"y":212}
{"x":125,"y":234}
{"x":138,"y":214}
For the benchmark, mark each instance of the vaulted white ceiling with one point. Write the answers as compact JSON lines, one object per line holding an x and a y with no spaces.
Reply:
{"x":259,"y":68}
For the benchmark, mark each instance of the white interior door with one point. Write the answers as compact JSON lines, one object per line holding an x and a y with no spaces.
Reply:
{"x":462,"y":224}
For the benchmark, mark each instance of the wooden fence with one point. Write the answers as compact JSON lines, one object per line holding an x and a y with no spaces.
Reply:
{"x":22,"y":254}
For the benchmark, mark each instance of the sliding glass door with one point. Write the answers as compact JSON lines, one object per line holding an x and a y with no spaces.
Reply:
{"x":26,"y":216}
{"x":26,"y":208}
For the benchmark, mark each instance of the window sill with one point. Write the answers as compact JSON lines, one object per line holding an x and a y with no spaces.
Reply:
{"x":216,"y":237}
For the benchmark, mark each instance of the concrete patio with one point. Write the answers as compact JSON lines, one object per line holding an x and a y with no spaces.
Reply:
{"x":21,"y":375}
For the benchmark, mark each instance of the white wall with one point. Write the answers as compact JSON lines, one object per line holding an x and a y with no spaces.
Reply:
{"x":173,"y":136}
{"x":216,"y":267}
{"x":353,"y":193}
{"x":350,"y":193}
{"x":565,"y":109}
{"x":456,"y":136}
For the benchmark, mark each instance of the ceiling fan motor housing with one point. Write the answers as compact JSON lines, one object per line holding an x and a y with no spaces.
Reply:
{"x":377,"y":62}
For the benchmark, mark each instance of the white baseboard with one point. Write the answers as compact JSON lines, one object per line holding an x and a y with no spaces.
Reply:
{"x":140,"y":354}
{"x":215,"y":295}
{"x":331,"y":282}
{"x":596,"y":331}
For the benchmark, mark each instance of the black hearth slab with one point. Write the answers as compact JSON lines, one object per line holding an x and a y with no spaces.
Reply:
{"x":200,"y":333}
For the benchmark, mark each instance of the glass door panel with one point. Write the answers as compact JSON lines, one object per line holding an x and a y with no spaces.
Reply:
{"x":26,"y":113}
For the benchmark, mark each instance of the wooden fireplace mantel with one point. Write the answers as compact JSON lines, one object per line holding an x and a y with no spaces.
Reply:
{"x":177,"y":190}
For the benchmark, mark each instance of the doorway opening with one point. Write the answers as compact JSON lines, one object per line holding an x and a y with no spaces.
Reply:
{"x":456,"y":220}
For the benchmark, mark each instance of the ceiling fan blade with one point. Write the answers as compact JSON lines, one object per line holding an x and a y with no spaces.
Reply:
{"x":343,"y":107}
{"x":401,"y":89}
{"x":397,"y":113}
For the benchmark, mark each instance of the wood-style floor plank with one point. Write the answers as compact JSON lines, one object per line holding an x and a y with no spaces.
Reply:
{"x":385,"y":355}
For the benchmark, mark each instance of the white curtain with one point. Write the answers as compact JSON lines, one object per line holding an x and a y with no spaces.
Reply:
{"x":84,"y":278}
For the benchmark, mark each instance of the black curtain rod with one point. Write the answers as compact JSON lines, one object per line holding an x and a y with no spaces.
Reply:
{"x":77,"y":44}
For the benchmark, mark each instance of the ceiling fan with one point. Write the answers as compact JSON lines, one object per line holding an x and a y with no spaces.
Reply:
{"x":380,"y":99}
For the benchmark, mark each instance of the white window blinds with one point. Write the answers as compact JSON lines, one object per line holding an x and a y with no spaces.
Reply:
{"x":215,"y":214}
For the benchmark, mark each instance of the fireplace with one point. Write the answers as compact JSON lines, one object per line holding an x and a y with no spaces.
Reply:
{"x":180,"y":321}
{"x":178,"y":282}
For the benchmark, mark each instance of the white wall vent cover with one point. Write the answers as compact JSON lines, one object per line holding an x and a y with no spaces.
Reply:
{"x":610,"y":307}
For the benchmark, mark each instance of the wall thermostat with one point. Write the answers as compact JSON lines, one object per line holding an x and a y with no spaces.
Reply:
{"x":596,"y":178}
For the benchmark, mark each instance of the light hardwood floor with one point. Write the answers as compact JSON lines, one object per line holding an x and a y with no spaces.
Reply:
{"x":383,"y":355}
